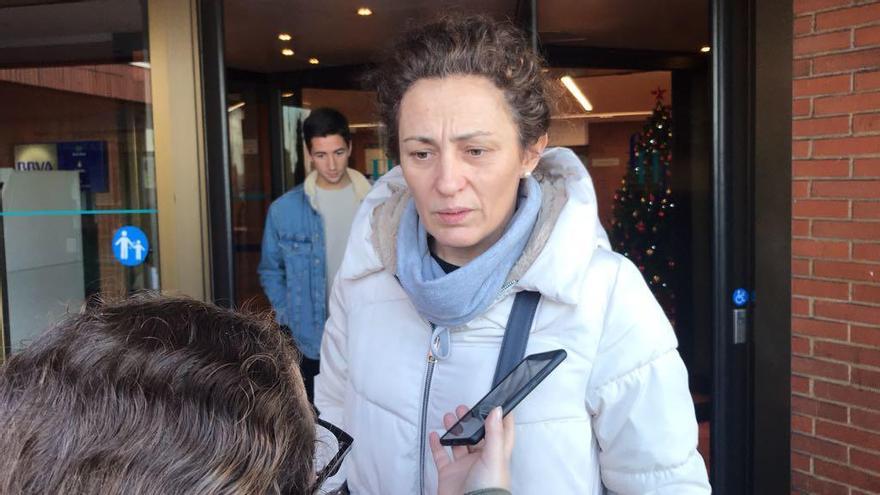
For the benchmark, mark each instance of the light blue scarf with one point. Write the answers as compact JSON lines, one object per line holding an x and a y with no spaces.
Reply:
{"x":453,"y":299}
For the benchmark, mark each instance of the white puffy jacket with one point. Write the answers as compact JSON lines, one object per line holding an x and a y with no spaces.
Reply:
{"x":616,"y":415}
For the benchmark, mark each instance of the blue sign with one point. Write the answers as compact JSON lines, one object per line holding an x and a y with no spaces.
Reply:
{"x":89,"y":158}
{"x":130,"y":245}
{"x":740,"y":297}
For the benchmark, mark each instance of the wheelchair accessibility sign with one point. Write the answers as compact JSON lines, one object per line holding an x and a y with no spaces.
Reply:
{"x":130,"y":245}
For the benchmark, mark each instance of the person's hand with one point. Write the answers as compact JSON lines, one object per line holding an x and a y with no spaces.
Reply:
{"x":485,"y":465}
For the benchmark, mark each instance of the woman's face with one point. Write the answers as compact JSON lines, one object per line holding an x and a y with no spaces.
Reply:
{"x":462,"y":159}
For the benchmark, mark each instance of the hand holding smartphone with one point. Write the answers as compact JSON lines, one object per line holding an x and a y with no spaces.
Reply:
{"x":509,"y":392}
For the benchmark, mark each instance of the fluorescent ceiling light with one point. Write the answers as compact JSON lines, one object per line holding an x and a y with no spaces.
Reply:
{"x":286,"y":95}
{"x":235,"y":107}
{"x":142,"y":65}
{"x":575,"y":91}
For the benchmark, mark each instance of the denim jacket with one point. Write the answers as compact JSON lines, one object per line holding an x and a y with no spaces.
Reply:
{"x":293,"y":265}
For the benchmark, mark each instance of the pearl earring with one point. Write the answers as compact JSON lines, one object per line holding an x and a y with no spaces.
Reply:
{"x":527,"y":174}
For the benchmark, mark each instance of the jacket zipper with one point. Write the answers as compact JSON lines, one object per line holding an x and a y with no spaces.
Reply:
{"x":429,"y":373}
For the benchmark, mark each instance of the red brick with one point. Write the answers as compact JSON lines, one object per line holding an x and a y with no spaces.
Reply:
{"x":821,"y":43}
{"x":819,"y":409}
{"x":800,"y":267}
{"x":801,"y":462}
{"x":869,"y":420}
{"x":866,"y":167}
{"x":800,"y":188}
{"x":800,"y":149}
{"x":867,"y":356}
{"x":857,"y":313}
{"x":800,"y":228}
{"x":847,"y":475}
{"x":848,"y":189}
{"x":820,"y":288}
{"x":808,"y":484}
{"x":868,"y":123}
{"x":867,"y":272}
{"x":802,"y":68}
{"x":866,"y":80}
{"x":862,"y":59}
{"x":827,"y":85}
{"x":800,"y":346}
{"x":867,"y":36}
{"x":806,"y":208}
{"x":865,"y":251}
{"x":818,"y":447}
{"x":865,"y":378}
{"x":866,"y":293}
{"x":866,"y":210}
{"x":865,"y":335}
{"x":828,"y":126}
{"x":862,"y":145}
{"x":847,"y":395}
{"x":819,"y":168}
{"x":802,"y":6}
{"x":800,"y":107}
{"x":819,"y":368}
{"x":865,"y":460}
{"x":848,"y":17}
{"x":847,"y":435}
{"x":819,"y":328}
{"x":869,"y":231}
{"x":819,"y":249}
{"x":861,"y":102}
{"x":801,"y":424}
{"x":800,"y":306}
{"x":800,"y":385}
{"x":803,"y":25}
{"x":812,"y":486}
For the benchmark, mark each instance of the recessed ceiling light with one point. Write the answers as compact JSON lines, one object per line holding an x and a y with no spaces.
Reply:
{"x":364,"y":11}
{"x":284,"y":37}
{"x":575,"y":91}
{"x":314,"y":61}
{"x":706,"y":49}
{"x":287,"y":52}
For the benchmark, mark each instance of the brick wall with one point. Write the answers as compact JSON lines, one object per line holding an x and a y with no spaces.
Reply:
{"x":836,"y":247}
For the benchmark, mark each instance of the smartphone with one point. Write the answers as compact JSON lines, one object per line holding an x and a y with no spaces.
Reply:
{"x":524,"y":377}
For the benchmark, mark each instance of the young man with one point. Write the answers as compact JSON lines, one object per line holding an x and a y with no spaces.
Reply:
{"x":306,"y":233}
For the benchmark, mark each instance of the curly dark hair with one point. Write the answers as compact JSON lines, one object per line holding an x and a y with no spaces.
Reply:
{"x":465,"y":45}
{"x":156,"y":395}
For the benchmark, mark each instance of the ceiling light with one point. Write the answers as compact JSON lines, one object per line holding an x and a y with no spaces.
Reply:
{"x":284,"y":37}
{"x":286,"y":95}
{"x":575,"y":91}
{"x":235,"y":107}
{"x":287,"y":52}
{"x":364,"y":11}
{"x":706,"y":49}
{"x":314,"y":61}
{"x":142,"y":65}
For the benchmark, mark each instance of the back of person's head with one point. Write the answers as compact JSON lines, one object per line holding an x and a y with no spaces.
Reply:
{"x":156,"y":395}
{"x":323,"y":122}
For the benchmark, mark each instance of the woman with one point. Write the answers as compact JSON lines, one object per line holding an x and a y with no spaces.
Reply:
{"x":477,"y":212}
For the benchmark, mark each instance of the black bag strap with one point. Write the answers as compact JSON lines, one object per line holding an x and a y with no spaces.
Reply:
{"x":519,"y":324}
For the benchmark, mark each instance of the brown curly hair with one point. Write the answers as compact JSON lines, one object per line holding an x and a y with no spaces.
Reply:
{"x":465,"y":45}
{"x":156,"y":395}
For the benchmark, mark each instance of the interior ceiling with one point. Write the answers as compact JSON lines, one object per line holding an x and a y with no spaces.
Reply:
{"x":332,"y":31}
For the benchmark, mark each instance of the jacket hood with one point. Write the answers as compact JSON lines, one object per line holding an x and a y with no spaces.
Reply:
{"x":554,"y":261}
{"x":359,"y":183}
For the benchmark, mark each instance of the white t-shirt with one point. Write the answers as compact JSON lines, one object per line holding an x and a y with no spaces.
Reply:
{"x":337,"y":207}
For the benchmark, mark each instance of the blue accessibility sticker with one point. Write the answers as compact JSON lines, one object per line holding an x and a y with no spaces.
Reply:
{"x":130,"y":245}
{"x":740,"y":297}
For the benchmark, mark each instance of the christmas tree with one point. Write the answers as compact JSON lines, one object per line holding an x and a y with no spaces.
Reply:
{"x":643,"y":206}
